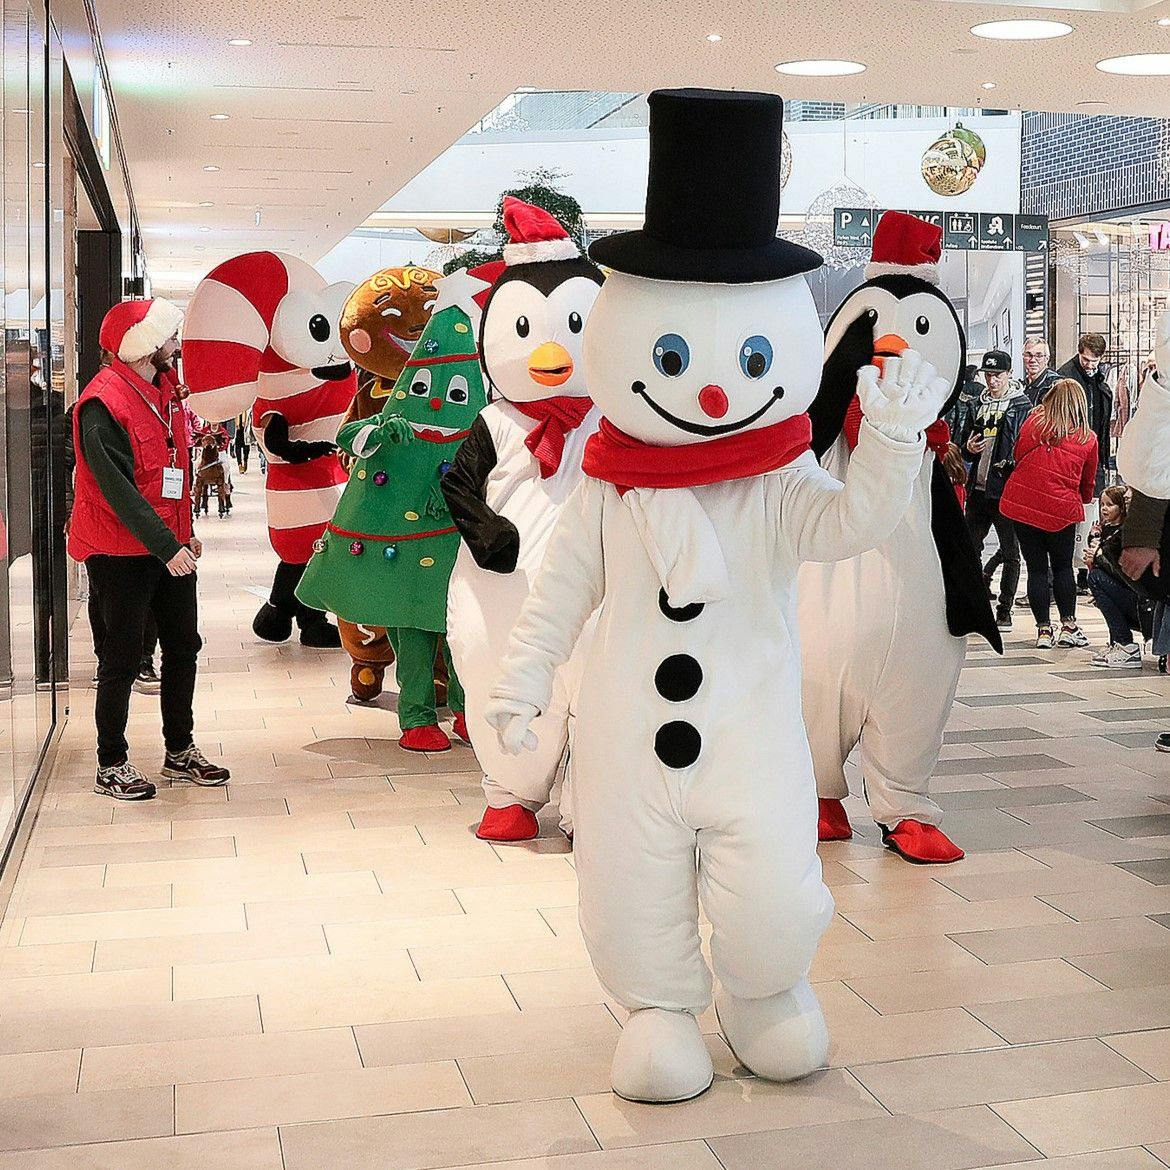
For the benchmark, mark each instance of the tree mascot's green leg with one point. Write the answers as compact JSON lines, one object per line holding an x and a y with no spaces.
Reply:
{"x":415,"y":667}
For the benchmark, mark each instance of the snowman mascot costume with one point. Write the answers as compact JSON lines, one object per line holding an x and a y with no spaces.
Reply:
{"x":505,"y":489}
{"x":884,"y":633}
{"x":692,"y":774}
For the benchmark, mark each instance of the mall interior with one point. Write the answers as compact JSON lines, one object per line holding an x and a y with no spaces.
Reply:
{"x":372,"y":947}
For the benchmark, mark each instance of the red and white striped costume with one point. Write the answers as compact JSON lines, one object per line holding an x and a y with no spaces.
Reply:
{"x":257,"y":327}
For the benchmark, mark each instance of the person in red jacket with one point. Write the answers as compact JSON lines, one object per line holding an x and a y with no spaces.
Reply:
{"x":131,"y":526}
{"x":1045,"y":495}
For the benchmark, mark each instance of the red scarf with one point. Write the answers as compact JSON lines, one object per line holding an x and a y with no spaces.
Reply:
{"x":938,"y":434}
{"x":626,"y":462}
{"x":555,"y":417}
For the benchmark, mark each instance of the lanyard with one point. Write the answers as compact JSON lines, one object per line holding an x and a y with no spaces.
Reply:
{"x":168,"y":422}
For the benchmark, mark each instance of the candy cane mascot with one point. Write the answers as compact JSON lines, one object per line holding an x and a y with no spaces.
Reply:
{"x":262,"y":331}
{"x":691,"y":769}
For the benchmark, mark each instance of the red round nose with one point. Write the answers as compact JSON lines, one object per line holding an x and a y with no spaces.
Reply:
{"x":436,"y":404}
{"x":713,"y":401}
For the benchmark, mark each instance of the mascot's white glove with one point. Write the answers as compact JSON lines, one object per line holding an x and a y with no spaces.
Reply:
{"x":902,"y":398}
{"x":512,"y":719}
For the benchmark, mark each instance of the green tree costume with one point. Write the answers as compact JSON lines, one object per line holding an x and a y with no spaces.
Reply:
{"x":387,"y":555}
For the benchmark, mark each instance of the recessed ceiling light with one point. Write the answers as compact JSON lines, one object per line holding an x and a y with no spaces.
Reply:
{"x":526,"y":89}
{"x":220,"y":117}
{"x":1092,"y":102}
{"x":206,"y":203}
{"x":240,"y":42}
{"x":1138,"y":65}
{"x":205,"y":229}
{"x":211,"y":168}
{"x":988,"y":85}
{"x":820,"y":68}
{"x":1164,"y":21}
{"x":714,"y":38}
{"x":1022,"y":30}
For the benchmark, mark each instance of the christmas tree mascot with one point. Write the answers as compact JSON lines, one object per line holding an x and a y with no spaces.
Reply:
{"x":262,"y":332}
{"x":386,"y":557}
{"x":506,"y":488}
{"x":380,"y":326}
{"x":691,"y":768}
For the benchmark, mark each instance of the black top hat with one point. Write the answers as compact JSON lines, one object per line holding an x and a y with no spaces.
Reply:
{"x":713,"y":195}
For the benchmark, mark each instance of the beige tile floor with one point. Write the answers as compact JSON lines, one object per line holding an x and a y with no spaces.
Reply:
{"x":320,"y":966}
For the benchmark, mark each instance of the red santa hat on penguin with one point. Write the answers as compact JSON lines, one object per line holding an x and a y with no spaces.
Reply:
{"x":535,"y":236}
{"x":904,"y":244}
{"x":133,"y":330}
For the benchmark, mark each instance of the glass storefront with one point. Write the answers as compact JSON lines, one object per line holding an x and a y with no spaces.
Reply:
{"x":33,"y":671}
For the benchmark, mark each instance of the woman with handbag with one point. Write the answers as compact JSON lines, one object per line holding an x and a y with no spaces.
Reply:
{"x":1045,"y":495}
{"x":1115,"y":594}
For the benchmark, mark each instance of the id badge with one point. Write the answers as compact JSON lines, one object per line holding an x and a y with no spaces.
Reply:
{"x":172,"y":483}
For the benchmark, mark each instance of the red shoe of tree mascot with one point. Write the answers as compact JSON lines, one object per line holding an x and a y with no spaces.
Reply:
{"x":263,"y":332}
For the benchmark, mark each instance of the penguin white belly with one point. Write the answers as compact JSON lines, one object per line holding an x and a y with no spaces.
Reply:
{"x":482,"y":606}
{"x":880,"y":665}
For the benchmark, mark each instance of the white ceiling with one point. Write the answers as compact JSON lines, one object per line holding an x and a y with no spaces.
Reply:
{"x":335,"y":106}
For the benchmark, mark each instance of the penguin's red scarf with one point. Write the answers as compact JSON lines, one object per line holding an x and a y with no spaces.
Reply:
{"x":615,"y":457}
{"x":555,"y":418}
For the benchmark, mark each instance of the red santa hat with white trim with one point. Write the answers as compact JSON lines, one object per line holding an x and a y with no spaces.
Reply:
{"x":907,"y":245}
{"x":133,"y":330}
{"x":535,"y":235}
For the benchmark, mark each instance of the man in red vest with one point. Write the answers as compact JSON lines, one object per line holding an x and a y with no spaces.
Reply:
{"x":131,"y":526}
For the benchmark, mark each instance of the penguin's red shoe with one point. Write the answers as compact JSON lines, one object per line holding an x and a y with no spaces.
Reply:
{"x":514,"y":823}
{"x":832,"y":821}
{"x":425,"y":739}
{"x":921,"y":844}
{"x":460,"y":727}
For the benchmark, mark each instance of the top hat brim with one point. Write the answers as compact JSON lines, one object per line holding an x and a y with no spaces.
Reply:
{"x":640,"y":254}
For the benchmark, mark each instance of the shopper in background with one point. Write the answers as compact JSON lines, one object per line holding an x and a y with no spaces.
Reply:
{"x":243,"y":444}
{"x":131,"y":526}
{"x":988,"y":437}
{"x":1055,"y":469}
{"x":1038,"y":373}
{"x":1113,"y":591}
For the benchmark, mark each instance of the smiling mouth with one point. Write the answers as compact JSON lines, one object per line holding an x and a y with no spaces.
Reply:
{"x":694,"y":428}
{"x":333,"y":373}
{"x":422,"y":428}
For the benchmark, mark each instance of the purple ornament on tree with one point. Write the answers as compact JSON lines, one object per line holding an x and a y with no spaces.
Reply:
{"x":357,"y":548}
{"x":380,"y":478}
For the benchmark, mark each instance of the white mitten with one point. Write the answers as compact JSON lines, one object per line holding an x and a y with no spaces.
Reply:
{"x":1143,"y":451}
{"x":903,"y":398}
{"x":512,"y":720}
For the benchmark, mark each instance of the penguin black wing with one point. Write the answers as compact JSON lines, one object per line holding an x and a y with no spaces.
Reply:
{"x":493,"y":540}
{"x":967,"y":603}
{"x":839,"y":383}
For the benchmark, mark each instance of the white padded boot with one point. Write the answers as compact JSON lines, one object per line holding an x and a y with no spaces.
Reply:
{"x":781,"y":1037}
{"x":661,"y":1057}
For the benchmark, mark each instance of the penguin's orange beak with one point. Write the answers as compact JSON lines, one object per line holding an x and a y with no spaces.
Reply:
{"x":550,"y":364}
{"x":888,"y":345}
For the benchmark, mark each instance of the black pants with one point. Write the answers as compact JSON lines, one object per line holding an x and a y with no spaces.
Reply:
{"x":1044,"y":552}
{"x":983,"y":515}
{"x":128,"y":591}
{"x":97,"y":627}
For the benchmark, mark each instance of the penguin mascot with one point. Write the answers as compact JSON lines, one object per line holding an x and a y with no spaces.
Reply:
{"x":884,"y":634}
{"x":505,"y":489}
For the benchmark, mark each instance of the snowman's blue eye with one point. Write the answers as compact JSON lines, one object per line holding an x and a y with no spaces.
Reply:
{"x":672,"y":355}
{"x":755,"y":356}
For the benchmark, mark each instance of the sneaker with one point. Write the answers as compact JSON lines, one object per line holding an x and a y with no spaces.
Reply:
{"x":1044,"y":638}
{"x":1003,"y":618}
{"x":148,"y":682}
{"x":1071,"y":635}
{"x":194,"y":766}
{"x":1022,"y":601}
{"x":1116,"y":657}
{"x":1162,"y":743}
{"x":123,"y":782}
